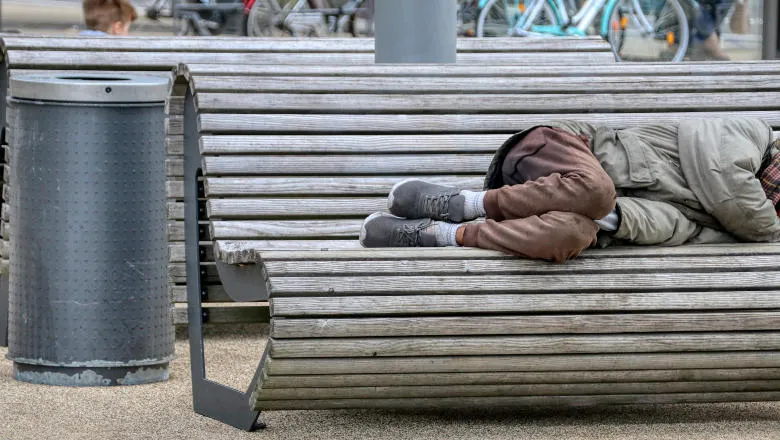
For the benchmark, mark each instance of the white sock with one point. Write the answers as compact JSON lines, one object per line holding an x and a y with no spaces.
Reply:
{"x":475,"y":204}
{"x":446,"y":233}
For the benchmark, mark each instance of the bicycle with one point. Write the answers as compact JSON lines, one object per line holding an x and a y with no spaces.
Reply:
{"x":637,"y":30}
{"x":303,"y":18}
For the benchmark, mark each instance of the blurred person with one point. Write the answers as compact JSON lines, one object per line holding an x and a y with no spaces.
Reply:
{"x":705,"y":29}
{"x":556,"y":189}
{"x":108,"y":17}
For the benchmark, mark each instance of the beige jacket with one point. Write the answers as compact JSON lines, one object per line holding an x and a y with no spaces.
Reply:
{"x":690,"y":182}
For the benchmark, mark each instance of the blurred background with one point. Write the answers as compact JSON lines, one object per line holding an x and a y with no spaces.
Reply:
{"x":740,"y":32}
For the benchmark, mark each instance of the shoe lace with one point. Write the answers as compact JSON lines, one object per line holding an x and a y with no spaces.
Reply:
{"x":408,"y":235}
{"x":437,"y":204}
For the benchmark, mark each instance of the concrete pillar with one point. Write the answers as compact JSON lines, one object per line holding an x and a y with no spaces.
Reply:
{"x":415,"y":31}
{"x":771,"y":37}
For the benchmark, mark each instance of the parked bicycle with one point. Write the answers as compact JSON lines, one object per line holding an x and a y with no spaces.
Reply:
{"x":637,"y":30}
{"x":303,"y":18}
{"x":201,"y":17}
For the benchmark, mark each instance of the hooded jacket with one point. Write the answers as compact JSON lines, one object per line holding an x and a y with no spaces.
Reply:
{"x":689,"y":182}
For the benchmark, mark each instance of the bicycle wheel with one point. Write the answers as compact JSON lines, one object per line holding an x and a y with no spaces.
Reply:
{"x":498,"y":17}
{"x":264,"y":20}
{"x":646,"y":30}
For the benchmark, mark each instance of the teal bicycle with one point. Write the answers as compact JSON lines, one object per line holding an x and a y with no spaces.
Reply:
{"x":637,"y":30}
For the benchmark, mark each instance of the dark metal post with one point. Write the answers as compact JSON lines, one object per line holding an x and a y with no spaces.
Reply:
{"x":414,"y":31}
{"x":770,"y":37}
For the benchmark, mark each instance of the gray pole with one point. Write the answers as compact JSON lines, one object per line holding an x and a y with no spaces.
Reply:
{"x":770,"y":37}
{"x":415,"y":31}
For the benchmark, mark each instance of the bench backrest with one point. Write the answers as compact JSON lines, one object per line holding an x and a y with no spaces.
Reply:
{"x":300,"y":167}
{"x":159,"y":55}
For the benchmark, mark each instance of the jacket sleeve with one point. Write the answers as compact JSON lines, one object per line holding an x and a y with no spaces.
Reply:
{"x":649,"y":222}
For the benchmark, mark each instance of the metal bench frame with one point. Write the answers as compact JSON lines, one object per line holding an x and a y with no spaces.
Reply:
{"x":210,"y":398}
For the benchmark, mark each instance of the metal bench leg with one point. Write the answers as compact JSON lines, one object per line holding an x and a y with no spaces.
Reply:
{"x":4,"y":297}
{"x":4,"y":310}
{"x":210,"y":398}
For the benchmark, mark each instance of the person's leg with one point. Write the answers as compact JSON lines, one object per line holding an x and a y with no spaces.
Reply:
{"x":548,"y":170}
{"x":705,"y":33}
{"x":556,"y":236}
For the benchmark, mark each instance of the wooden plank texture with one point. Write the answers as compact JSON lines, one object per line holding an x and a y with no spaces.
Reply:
{"x":508,"y":345}
{"x":446,"y":123}
{"x":491,"y":71}
{"x":294,"y":45}
{"x":521,"y":401}
{"x":475,"y":304}
{"x":298,"y":144}
{"x":515,"y":265}
{"x":482,"y":103}
{"x":324,"y":186}
{"x":523,"y":325}
{"x":501,"y":85}
{"x":590,"y":389}
{"x":553,"y":283}
{"x":492,"y":378}
{"x":290,"y":207}
{"x":155,"y":60}
{"x":523,"y":363}
{"x":344,"y":164}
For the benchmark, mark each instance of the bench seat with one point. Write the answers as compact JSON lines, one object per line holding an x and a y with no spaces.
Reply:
{"x":400,"y":328}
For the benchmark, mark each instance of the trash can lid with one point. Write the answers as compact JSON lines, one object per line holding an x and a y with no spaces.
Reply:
{"x":78,"y":87}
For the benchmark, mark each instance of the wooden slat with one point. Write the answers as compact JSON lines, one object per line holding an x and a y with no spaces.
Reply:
{"x":515,"y":265}
{"x":176,"y":252}
{"x":483,"y":103}
{"x":150,"y":60}
{"x":286,"y":229}
{"x":589,"y":389}
{"x":491,"y":71}
{"x":225,"y":314}
{"x":294,"y":45}
{"x":457,"y":85}
{"x":345,"y":164}
{"x":174,"y":189}
{"x":463,"y":143}
{"x":521,"y":401}
{"x":508,"y":345}
{"x":174,"y":144}
{"x":215,"y":293}
{"x":284,"y":207}
{"x":303,"y":286}
{"x":522,"y":325}
{"x":524,"y":363}
{"x":450,"y":123}
{"x":491,"y":378}
{"x":175,"y":210}
{"x":244,"y":251}
{"x":324,"y":186}
{"x":523,"y":303}
{"x":712,"y":250}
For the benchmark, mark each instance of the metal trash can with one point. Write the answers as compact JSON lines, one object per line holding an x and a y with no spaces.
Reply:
{"x":88,"y":298}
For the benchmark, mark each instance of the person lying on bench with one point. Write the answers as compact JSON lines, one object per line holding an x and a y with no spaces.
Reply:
{"x":556,"y":189}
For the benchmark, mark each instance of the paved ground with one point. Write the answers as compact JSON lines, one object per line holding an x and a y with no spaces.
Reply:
{"x":164,"y":411}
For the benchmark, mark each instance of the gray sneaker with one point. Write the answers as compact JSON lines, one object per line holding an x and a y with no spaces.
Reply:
{"x":415,"y":198}
{"x":385,"y":230}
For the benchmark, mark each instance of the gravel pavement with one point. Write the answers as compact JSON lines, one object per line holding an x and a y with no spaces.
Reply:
{"x":164,"y":411}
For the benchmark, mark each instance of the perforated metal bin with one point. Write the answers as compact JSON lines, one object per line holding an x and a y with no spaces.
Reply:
{"x":88,"y":253}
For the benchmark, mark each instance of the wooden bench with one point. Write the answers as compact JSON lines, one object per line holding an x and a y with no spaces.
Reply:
{"x":160,"y":55}
{"x":288,"y":176}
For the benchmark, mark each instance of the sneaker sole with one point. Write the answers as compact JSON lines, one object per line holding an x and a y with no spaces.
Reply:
{"x":391,"y":196}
